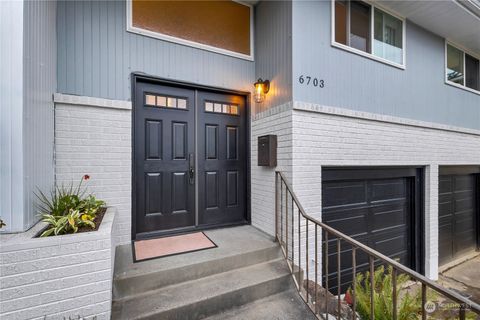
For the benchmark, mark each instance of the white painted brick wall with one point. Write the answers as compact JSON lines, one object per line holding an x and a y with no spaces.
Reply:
{"x":97,"y":141}
{"x":325,"y":139}
{"x":57,"y":277}
{"x":322,"y":136}
{"x":277,"y":121}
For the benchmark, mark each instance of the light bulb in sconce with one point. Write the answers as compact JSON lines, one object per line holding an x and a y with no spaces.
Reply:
{"x":261,"y":89}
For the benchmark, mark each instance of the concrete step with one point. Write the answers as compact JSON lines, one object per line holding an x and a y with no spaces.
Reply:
{"x":285,"y":305}
{"x":203,"y":297}
{"x":237,"y":248}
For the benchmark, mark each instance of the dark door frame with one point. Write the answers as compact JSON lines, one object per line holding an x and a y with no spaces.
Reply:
{"x":140,"y":76}
{"x":417,"y":173}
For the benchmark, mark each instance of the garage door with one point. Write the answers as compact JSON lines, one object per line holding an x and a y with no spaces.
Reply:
{"x":375,"y":207}
{"x":457,"y":209}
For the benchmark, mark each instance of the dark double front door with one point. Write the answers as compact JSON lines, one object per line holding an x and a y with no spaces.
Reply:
{"x":189,"y":158}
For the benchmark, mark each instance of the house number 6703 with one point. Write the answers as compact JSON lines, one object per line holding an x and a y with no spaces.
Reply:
{"x":311,"y":81}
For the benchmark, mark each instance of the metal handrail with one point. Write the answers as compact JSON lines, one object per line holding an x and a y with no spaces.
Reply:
{"x":281,"y":180}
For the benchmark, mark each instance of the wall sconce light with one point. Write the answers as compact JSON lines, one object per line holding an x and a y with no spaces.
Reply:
{"x":261,"y":88}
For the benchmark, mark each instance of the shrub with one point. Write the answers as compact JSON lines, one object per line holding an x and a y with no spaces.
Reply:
{"x":69,"y":223}
{"x":67,"y":209}
{"x":408,"y":304}
{"x":62,"y":199}
{"x":2,"y":224}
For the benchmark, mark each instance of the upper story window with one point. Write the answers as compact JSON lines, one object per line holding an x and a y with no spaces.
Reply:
{"x":462,"y":69}
{"x":224,"y":27}
{"x":369,"y":31}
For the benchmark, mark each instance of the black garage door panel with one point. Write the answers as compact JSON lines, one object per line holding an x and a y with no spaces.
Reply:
{"x":376,"y":212}
{"x":456,"y":212}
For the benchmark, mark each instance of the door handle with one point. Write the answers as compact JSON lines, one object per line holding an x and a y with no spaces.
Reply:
{"x":191,"y":168}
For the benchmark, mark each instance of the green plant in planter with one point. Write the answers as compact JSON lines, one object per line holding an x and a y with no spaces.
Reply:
{"x":62,"y":199}
{"x":2,"y":224}
{"x":408,"y":304}
{"x":66,"y":210}
{"x":68,"y":223}
{"x":90,"y":205}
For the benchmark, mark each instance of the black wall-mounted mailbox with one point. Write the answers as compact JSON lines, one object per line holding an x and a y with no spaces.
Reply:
{"x":267,"y":151}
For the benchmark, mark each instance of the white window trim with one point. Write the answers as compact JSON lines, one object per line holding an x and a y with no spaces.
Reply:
{"x":366,"y":54}
{"x":454,"y":84}
{"x":165,"y":37}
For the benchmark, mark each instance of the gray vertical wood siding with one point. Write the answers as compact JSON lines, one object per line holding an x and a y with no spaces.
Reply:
{"x":11,"y":112}
{"x":38,"y":87}
{"x":26,"y":115}
{"x":273,"y":50}
{"x":355,"y":82}
{"x":96,"y":55}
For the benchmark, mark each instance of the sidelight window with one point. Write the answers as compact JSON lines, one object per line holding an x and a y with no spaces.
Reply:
{"x":462,"y":69}
{"x":369,"y":31}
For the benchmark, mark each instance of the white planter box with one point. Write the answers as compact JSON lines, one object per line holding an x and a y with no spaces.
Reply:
{"x":57,"y":277}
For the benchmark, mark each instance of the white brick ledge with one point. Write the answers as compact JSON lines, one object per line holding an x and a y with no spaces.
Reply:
{"x":26,"y":240}
{"x":272,"y":111}
{"x":311,"y":107}
{"x":91,"y":101}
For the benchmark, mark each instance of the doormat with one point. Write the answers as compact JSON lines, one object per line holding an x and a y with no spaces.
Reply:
{"x":168,"y":246}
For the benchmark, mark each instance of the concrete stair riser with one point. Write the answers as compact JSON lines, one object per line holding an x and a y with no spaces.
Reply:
{"x":206,"y":295}
{"x":211,"y":306}
{"x":126,"y":285}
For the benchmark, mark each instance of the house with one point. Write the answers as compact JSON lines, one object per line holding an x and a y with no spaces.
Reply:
{"x":375,"y":107}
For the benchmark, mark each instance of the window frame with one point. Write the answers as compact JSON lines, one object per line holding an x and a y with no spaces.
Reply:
{"x":368,"y":55}
{"x":464,"y":51}
{"x":190,"y":43}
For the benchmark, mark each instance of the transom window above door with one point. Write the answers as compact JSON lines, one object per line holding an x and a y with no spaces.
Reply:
{"x":369,"y":31}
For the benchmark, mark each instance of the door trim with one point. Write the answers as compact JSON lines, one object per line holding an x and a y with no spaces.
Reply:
{"x":417,"y":173}
{"x":139,"y":76}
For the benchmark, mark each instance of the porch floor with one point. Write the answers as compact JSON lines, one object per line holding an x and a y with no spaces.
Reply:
{"x":230,"y":242}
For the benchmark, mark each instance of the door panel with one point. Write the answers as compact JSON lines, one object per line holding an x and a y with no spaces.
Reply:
{"x":376,"y":212}
{"x":164,"y":120}
{"x":221,"y":158}
{"x":456,"y":213}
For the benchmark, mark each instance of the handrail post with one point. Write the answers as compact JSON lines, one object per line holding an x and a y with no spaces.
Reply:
{"x":281,"y":211}
{"x":316,"y":268}
{"x":276,"y":205}
{"x":372,"y":289}
{"x":339,"y":277}
{"x":424,"y":300}
{"x":354,"y":281}
{"x":394,"y":293}
{"x":299,"y":255}
{"x":286,"y":223}
{"x":326,"y":274}
{"x":306,"y":253}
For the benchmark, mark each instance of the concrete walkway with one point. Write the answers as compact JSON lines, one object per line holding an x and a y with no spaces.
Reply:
{"x":464,"y":278}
